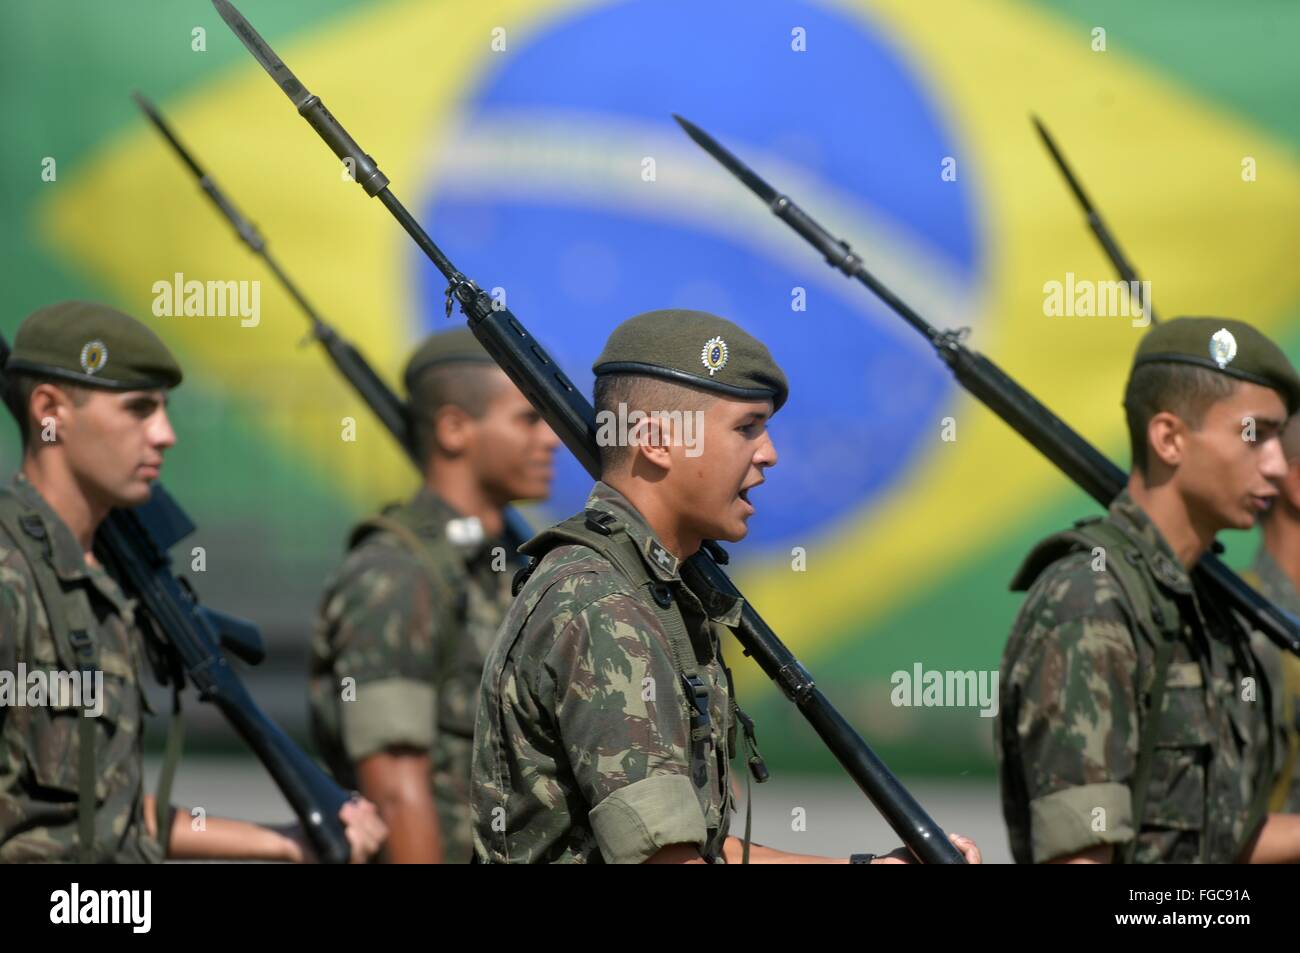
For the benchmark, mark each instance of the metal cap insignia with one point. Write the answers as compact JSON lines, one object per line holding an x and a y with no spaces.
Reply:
{"x":1223,"y":347}
{"x":714,"y":355}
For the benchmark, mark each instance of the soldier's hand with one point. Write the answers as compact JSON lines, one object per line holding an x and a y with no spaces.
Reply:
{"x":967,"y":847}
{"x":904,"y":856}
{"x":366,"y":830}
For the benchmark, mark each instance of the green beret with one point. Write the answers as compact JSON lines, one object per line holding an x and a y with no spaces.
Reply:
{"x":92,"y":345}
{"x":444,"y":347}
{"x":694,"y":348}
{"x":1224,"y":345}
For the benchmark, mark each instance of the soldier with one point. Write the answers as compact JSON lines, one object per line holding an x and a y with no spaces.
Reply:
{"x":408,"y":621}
{"x":1275,"y":573}
{"x":606,"y":719}
{"x":92,"y":386}
{"x":1134,"y":724}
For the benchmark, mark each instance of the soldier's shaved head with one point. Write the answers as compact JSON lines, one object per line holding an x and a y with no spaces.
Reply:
{"x":1185,"y":390}
{"x":470,"y":387}
{"x":644,"y":393}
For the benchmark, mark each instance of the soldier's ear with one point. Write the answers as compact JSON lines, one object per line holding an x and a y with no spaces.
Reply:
{"x":1166,"y":438}
{"x":453,"y":429}
{"x":48,"y":407}
{"x":650,"y":439}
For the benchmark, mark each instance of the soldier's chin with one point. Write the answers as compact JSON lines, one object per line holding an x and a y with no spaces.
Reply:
{"x":732,"y":531}
{"x":534,"y":490}
{"x":134,"y":493}
{"x":528,"y":489}
{"x":1244,"y":518}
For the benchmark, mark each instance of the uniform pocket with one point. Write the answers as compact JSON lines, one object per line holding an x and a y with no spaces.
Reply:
{"x":1176,"y":796}
{"x":54,"y":752}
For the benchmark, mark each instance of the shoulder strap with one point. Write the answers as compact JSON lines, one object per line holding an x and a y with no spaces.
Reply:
{"x":603,"y":533}
{"x":1290,"y":689}
{"x":1156,"y":614}
{"x":446,"y":573}
{"x":398,"y":520}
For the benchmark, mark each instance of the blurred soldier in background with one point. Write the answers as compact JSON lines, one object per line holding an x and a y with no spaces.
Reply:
{"x":406,"y":624}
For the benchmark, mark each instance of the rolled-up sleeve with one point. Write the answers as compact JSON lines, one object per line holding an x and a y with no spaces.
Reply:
{"x":636,"y":822}
{"x":389,"y":713}
{"x":380,"y":623}
{"x":1074,"y":819}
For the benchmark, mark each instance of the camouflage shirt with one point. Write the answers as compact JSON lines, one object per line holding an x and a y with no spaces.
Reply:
{"x":583,"y":750}
{"x":410,"y":619}
{"x":1075,"y":674}
{"x":39,"y":758}
{"x":1283,"y":670}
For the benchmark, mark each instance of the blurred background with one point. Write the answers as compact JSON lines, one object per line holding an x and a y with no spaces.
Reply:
{"x":534,"y":140}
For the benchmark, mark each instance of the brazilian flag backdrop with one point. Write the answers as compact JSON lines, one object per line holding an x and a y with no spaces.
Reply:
{"x":534,"y":140}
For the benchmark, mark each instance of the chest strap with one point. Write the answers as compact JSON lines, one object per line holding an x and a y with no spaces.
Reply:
{"x":446,"y":575}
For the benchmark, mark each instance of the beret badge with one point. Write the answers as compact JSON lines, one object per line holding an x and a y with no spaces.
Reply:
{"x":714,"y":355}
{"x":1223,"y":347}
{"x":93,"y":356}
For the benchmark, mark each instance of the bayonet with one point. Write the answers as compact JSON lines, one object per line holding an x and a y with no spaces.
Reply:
{"x":1107,"y":240}
{"x":1079,"y":460}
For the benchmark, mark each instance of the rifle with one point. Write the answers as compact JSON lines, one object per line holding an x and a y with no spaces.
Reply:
{"x":1107,"y":241}
{"x":573,"y":420}
{"x":392,"y":411}
{"x":1083,"y":463}
{"x":133,"y":544}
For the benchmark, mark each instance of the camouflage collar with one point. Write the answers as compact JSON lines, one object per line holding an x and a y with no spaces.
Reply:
{"x":663,"y":565}
{"x":1155,"y":550}
{"x":66,"y":557}
{"x":463,"y":532}
{"x":1274,"y":583}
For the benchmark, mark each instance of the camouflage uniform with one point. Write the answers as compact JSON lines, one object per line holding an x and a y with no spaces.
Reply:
{"x":1283,"y":669}
{"x":588,"y":747}
{"x":40,"y":756}
{"x":411,"y":617}
{"x":1077,"y":688}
